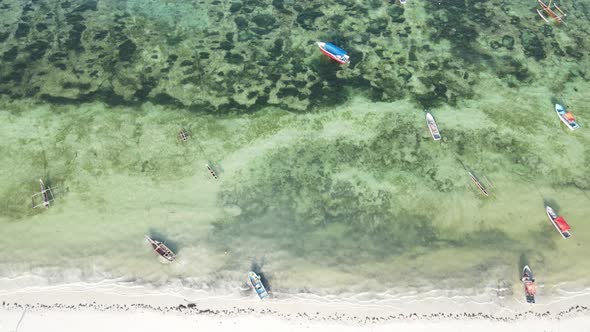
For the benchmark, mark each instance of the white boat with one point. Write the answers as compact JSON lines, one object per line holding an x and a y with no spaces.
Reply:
{"x":566,"y":117}
{"x":432,"y":127}
{"x":403,"y":2}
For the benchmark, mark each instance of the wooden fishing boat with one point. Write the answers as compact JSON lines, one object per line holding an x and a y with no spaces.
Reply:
{"x":432,"y":127}
{"x":560,"y":224}
{"x":566,"y":117}
{"x":557,"y":15}
{"x":529,"y":284}
{"x":45,"y":195}
{"x":211,"y":171}
{"x":478,"y":184}
{"x":257,"y":285}
{"x":161,"y":249}
{"x":334,"y":52}
{"x":183,"y":135}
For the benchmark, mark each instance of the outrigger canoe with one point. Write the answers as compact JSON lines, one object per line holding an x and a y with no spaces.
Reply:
{"x":529,"y":284}
{"x":560,"y":224}
{"x":551,"y":14}
{"x":566,"y":117}
{"x":432,"y":127}
{"x":257,"y":285}
{"x":478,"y":184}
{"x":334,"y":52}
{"x":161,"y":249}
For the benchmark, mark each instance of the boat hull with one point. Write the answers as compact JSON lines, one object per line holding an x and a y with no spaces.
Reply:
{"x":433,"y":127}
{"x":553,"y":217}
{"x":341,"y":56}
{"x":529,"y":284}
{"x":160,"y":248}
{"x":256,"y":283}
{"x":561,"y":113}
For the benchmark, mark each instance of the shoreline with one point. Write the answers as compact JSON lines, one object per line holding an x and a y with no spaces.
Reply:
{"x":67,"y":309}
{"x":117,"y":298}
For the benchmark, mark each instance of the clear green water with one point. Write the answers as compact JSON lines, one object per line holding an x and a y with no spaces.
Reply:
{"x":329,"y":181}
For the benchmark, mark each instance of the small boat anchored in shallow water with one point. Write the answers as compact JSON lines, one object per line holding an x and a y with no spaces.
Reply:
{"x":257,"y":285}
{"x":556,"y":16}
{"x":211,"y":171}
{"x":566,"y":117}
{"x":183,"y":135}
{"x":560,"y":224}
{"x":529,"y":284}
{"x":161,"y":249}
{"x":334,"y":52}
{"x":46,"y":195}
{"x":432,"y":127}
{"x":482,"y":189}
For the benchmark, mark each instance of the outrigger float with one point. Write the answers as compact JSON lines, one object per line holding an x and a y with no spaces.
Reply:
{"x":257,"y":285}
{"x":482,"y":189}
{"x":560,"y":224}
{"x":46,"y":195}
{"x":211,"y":171}
{"x":161,"y":249}
{"x":334,"y":52}
{"x":551,"y":14}
{"x":529,"y":284}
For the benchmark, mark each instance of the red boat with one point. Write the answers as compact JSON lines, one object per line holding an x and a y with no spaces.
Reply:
{"x":560,"y":224}
{"x":529,"y":284}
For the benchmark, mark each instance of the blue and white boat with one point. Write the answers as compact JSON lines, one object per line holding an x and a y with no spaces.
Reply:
{"x":566,"y":117}
{"x":257,"y":285}
{"x":432,"y":126}
{"x":334,"y":52}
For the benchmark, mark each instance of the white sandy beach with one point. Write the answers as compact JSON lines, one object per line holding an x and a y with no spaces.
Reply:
{"x":67,"y":321}
{"x":112,"y":307}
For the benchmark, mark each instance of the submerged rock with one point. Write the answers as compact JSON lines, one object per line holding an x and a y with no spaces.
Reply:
{"x":533,"y":46}
{"x":508,"y":42}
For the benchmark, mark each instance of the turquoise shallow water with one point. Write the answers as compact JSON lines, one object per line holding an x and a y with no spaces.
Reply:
{"x":328,"y":179}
